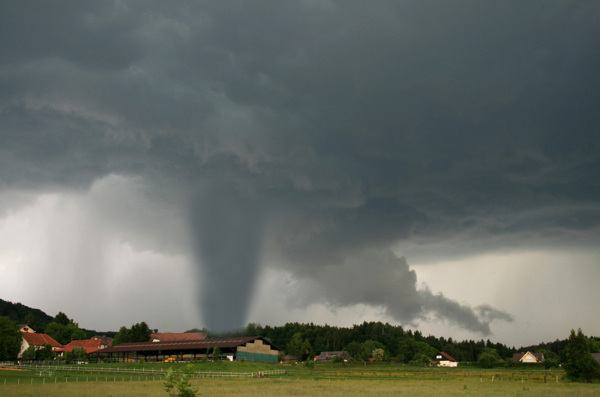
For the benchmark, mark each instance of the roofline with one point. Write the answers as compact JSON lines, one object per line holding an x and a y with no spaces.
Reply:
{"x":183,"y":345}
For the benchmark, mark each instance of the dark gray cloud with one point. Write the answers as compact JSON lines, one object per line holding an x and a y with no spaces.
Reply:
{"x":335,"y":128}
{"x":380,"y":279}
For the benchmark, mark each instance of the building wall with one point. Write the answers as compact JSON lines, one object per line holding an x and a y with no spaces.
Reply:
{"x":266,"y":358}
{"x":447,"y":363}
{"x":529,"y":358}
{"x":28,"y":329}
{"x":24,"y":346}
{"x":257,"y":350}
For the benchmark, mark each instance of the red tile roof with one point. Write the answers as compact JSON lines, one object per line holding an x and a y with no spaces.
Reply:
{"x":40,"y":339}
{"x":178,"y":337}
{"x":90,"y":345}
{"x":107,"y":340}
{"x":445,"y":357}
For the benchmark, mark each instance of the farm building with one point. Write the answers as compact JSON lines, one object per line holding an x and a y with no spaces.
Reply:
{"x":105,"y":339}
{"x":327,"y":356}
{"x":177,"y":337}
{"x":89,"y":345}
{"x":37,"y":340}
{"x":442,"y":359}
{"x":529,"y":357}
{"x":253,"y":348}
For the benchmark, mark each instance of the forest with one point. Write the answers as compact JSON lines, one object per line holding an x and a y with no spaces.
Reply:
{"x":304,"y":341}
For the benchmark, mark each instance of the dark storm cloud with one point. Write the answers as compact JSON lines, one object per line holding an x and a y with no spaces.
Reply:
{"x":357,"y":125}
{"x":380,"y":279}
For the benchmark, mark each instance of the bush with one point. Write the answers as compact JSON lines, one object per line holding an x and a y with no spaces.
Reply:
{"x":38,"y":353}
{"x":216,"y":354}
{"x":489,"y":358}
{"x":178,"y":385}
{"x":422,"y":360}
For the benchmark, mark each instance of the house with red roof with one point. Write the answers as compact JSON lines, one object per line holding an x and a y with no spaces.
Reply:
{"x":37,"y":340}
{"x":177,"y":337}
{"x":528,"y":357}
{"x":442,"y":359}
{"x":89,"y":345}
{"x":105,"y":339}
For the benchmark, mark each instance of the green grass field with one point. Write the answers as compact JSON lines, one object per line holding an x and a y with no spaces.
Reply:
{"x":332,"y":380}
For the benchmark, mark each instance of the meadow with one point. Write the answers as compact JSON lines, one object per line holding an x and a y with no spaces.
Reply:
{"x":329,"y":379}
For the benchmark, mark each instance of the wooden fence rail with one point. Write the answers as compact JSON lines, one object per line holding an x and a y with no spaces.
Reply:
{"x":150,"y":371}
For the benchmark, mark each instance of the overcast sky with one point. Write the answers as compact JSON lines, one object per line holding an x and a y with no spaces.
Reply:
{"x":434,"y":164}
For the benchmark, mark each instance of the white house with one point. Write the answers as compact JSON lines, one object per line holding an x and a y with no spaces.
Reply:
{"x":37,"y":340}
{"x":529,"y":357}
{"x":442,"y":359}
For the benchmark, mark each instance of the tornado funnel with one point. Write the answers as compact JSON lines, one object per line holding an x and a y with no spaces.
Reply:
{"x":228,"y":227}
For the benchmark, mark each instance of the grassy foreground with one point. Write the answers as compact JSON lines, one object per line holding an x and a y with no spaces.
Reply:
{"x":302,"y":387}
{"x":330,"y":380}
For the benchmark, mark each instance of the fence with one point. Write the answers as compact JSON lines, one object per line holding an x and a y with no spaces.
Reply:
{"x":143,"y":371}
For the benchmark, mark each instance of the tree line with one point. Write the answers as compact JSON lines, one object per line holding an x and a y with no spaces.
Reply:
{"x":305,"y":341}
{"x":398,"y":344}
{"x":367,"y":341}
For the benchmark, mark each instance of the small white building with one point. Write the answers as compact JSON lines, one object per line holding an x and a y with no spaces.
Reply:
{"x":37,"y":340}
{"x":529,"y":357}
{"x":442,"y":359}
{"x":26,"y":328}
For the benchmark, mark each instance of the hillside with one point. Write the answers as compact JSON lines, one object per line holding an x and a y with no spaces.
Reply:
{"x":22,"y":314}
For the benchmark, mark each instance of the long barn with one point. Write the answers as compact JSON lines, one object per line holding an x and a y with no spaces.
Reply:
{"x":251,"y":348}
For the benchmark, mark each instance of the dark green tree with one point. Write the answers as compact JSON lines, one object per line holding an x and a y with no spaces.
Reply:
{"x":77,"y":354}
{"x":45,"y":353}
{"x":62,"y":319}
{"x":423,"y":349}
{"x":29,"y":353}
{"x":216,"y":354}
{"x":253,"y":329}
{"x":10,"y":339}
{"x":593,"y":345}
{"x":306,"y":351}
{"x":38,"y":353}
{"x":294,"y":346}
{"x":123,"y":336}
{"x":551,"y":359}
{"x":139,"y":332}
{"x":30,"y":320}
{"x":421,"y":360}
{"x":353,"y":348}
{"x":488,"y":358}
{"x":580,"y":365}
{"x":65,"y":333}
{"x":368,"y":347}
